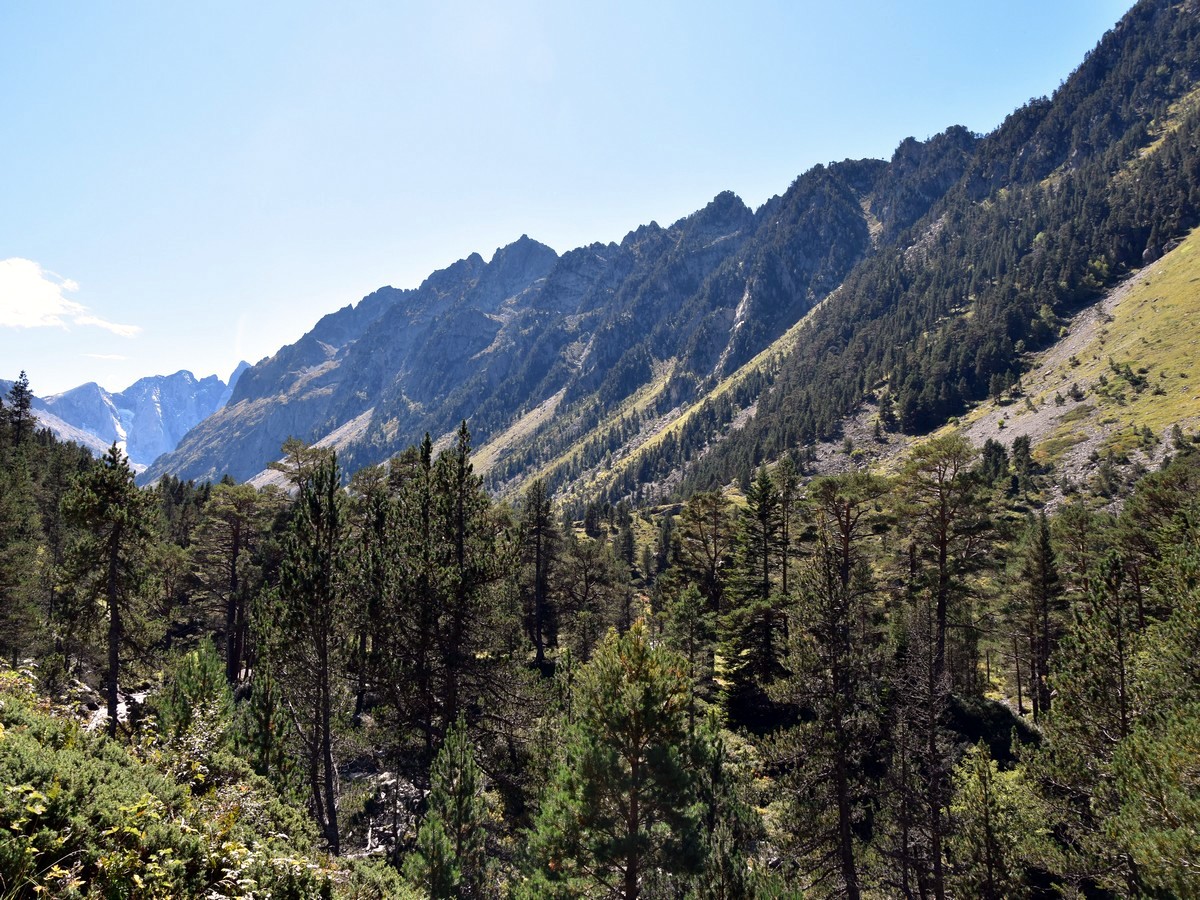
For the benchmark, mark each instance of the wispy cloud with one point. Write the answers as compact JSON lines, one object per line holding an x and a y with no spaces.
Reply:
{"x":31,"y":297}
{"x":116,"y":357}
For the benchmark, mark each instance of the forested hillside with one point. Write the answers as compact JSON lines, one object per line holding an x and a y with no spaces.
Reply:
{"x":1064,"y":199}
{"x":635,"y":645}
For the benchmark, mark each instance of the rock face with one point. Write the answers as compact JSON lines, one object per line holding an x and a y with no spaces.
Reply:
{"x":667,"y":311}
{"x":146,"y":420}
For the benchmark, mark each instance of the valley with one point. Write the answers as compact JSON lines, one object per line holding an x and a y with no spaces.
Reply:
{"x":847,"y":546}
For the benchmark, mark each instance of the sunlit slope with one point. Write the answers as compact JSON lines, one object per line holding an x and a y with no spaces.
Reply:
{"x":1126,"y":372}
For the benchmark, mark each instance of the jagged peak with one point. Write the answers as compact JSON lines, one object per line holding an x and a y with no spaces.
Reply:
{"x":641,"y":233}
{"x":956,"y":136}
{"x":725,"y":209}
{"x":524,"y":245}
{"x":462,"y":270}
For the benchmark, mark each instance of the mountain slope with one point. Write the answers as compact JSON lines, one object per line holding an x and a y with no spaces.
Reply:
{"x":618,"y":366}
{"x":1062,"y":200}
{"x":1124,"y":376}
{"x":587,"y":331}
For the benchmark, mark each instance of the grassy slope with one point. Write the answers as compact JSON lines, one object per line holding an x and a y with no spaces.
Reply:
{"x":1150,"y":324}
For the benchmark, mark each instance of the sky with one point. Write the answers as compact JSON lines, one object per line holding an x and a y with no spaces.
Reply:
{"x":187,"y":185}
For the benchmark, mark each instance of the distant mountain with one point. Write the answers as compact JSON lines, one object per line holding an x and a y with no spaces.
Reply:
{"x":146,"y":420}
{"x":685,"y":355}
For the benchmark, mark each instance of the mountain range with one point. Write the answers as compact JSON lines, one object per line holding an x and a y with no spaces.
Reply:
{"x":912,"y":288}
{"x":146,"y":420}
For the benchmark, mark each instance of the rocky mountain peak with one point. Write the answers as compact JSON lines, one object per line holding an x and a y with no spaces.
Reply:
{"x":641,"y":234}
{"x":452,"y":278}
{"x":519,"y":264}
{"x":725,"y":214}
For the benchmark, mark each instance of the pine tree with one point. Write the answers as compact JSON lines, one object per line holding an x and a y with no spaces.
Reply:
{"x":1094,"y":713}
{"x":451,"y":858}
{"x":706,"y":540}
{"x":234,"y":519}
{"x":624,"y":803}
{"x":21,"y":558}
{"x":308,"y":645}
{"x":591,"y":588}
{"x":939,"y":495}
{"x":787,"y":484}
{"x":752,"y":628}
{"x":196,"y":690}
{"x":538,"y":543}
{"x":833,"y":653}
{"x":469,"y":559}
{"x":107,"y":562}
{"x":1041,"y":590}
{"x":19,"y":411}
{"x":992,"y":816}
{"x":690,"y":631}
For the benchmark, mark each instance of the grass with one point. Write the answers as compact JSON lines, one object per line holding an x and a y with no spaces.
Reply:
{"x":1140,"y":367}
{"x":636,"y":403}
{"x":1154,"y":335}
{"x":1051,"y":450}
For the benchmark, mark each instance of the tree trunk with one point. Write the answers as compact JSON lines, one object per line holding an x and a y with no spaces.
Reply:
{"x":845,"y":834}
{"x":232,"y":651}
{"x":632,"y":863}
{"x":331,"y":820}
{"x":539,"y":600}
{"x":114,"y":630}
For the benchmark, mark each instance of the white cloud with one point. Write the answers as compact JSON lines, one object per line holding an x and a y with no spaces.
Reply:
{"x":115,"y":357}
{"x":31,"y":297}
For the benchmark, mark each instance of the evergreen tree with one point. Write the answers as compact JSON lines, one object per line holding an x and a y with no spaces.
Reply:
{"x":993,"y":463}
{"x":538,"y":543}
{"x":992,"y":817}
{"x":917,"y":787}
{"x":233,"y":521}
{"x":752,"y":627}
{"x":19,"y":411}
{"x":787,"y":484}
{"x":371,"y":523}
{"x":939,"y":495}
{"x":624,"y":803}
{"x":690,"y":631}
{"x":592,"y":595}
{"x":706,"y":540}
{"x":1041,"y":608}
{"x":21,"y":620}
{"x":107,"y":562}
{"x":308,"y":643}
{"x":195,"y":690}
{"x":832,"y":656}
{"x":470,"y":562}
{"x":1095,"y":711}
{"x":451,"y":858}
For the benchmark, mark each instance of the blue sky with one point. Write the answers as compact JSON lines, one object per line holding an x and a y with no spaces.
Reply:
{"x":187,"y":185}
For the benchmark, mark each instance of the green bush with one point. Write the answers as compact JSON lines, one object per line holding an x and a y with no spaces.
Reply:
{"x":83,"y":817}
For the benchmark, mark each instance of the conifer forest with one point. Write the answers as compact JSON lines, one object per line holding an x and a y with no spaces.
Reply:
{"x":817,"y":640}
